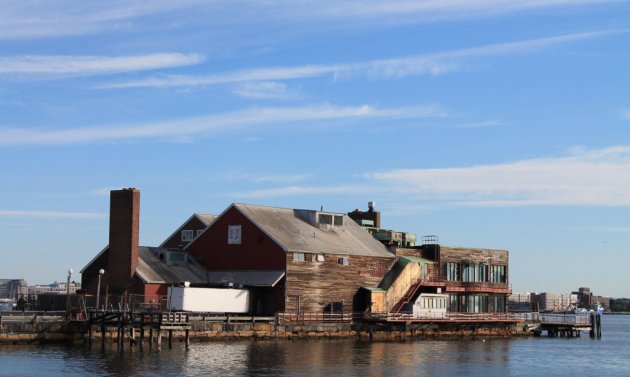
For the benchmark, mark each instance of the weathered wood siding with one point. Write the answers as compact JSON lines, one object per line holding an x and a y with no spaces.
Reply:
{"x":476,"y":256}
{"x":407,"y":277}
{"x":314,"y":285}
{"x":377,"y":302}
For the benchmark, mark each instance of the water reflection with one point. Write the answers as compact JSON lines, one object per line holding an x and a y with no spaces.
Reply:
{"x":345,"y":357}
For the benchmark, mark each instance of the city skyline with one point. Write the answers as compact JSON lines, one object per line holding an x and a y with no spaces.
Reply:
{"x":491,"y":124}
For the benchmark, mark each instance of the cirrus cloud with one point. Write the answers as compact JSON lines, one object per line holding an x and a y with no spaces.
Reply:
{"x":67,"y":65}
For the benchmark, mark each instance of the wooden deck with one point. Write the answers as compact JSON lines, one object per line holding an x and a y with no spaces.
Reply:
{"x":127,"y":323}
{"x":570,"y":325}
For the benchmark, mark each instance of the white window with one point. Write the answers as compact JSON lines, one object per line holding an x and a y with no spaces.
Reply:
{"x":298,"y":257}
{"x":343,"y":261}
{"x":199,"y":231}
{"x":234,"y":234}
{"x":187,"y":235}
{"x":320,"y":257}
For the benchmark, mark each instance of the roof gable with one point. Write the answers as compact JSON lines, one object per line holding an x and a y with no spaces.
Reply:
{"x":205,"y":219}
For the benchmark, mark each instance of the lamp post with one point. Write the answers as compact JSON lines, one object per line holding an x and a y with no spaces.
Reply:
{"x":98,"y":288}
{"x":70,"y":271}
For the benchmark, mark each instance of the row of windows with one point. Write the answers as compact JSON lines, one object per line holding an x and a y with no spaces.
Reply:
{"x":307,"y":257}
{"x":475,"y":273}
{"x":476,"y":303}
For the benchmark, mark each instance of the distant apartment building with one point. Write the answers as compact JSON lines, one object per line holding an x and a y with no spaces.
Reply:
{"x":54,"y":288}
{"x":13,"y":288}
{"x":520,"y":302}
{"x":554,"y":302}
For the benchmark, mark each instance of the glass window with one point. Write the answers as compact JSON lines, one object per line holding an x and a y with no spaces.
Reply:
{"x":187,"y":235}
{"x":451,"y":271}
{"x":453,"y":303}
{"x":234,"y":234}
{"x":475,"y":303}
{"x":298,"y":257}
{"x":325,"y":219}
{"x":474,"y":273}
{"x":320,"y":257}
{"x":343,"y":261}
{"x":497,"y":274}
{"x":338,"y":220}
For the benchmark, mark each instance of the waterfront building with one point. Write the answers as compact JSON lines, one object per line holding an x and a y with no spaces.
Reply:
{"x":133,"y":274}
{"x":295,"y":261}
{"x":475,"y":280}
{"x":303,"y":260}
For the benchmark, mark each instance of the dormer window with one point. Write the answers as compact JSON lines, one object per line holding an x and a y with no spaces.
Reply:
{"x":329,"y":220}
{"x":187,"y":235}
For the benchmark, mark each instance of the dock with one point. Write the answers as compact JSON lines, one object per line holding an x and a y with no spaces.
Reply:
{"x":133,"y":326}
{"x":570,"y":325}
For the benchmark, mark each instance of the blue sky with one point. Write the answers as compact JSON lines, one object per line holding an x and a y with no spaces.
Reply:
{"x":495,"y":124}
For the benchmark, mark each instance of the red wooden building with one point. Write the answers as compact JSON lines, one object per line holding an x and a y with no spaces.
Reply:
{"x":292,"y":260}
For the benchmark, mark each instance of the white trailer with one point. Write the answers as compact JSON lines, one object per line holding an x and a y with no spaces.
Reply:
{"x":209,"y":300}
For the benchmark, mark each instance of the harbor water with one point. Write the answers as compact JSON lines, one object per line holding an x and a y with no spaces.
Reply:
{"x":583,"y":356}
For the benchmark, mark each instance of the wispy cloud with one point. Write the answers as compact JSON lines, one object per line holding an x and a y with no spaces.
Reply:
{"x":304,"y":190}
{"x":584,"y":177}
{"x":411,"y":10}
{"x":266,"y":90}
{"x":265,"y":177}
{"x":60,"y":65}
{"x":432,"y":64}
{"x":50,"y":214}
{"x":209,"y":124}
{"x":45,"y":19}
{"x":482,"y":124}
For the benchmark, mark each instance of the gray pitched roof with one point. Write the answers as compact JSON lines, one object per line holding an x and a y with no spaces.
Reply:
{"x":205,"y":218}
{"x":292,"y":232}
{"x":246,"y":278}
{"x":152,"y":270}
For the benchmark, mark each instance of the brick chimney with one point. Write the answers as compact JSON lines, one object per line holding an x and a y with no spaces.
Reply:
{"x":124,"y":229}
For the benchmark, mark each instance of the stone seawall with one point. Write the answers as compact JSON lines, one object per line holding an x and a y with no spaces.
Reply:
{"x":77,"y":331}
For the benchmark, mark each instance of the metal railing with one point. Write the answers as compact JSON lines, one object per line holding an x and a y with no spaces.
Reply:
{"x":564,"y":319}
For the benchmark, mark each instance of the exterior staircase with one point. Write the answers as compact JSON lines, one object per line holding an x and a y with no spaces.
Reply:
{"x":411,"y":292}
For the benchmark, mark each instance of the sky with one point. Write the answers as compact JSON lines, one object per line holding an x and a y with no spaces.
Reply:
{"x":496,"y":124}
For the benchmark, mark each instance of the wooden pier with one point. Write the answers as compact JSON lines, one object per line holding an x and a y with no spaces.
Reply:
{"x":570,"y":325}
{"x":133,"y":326}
